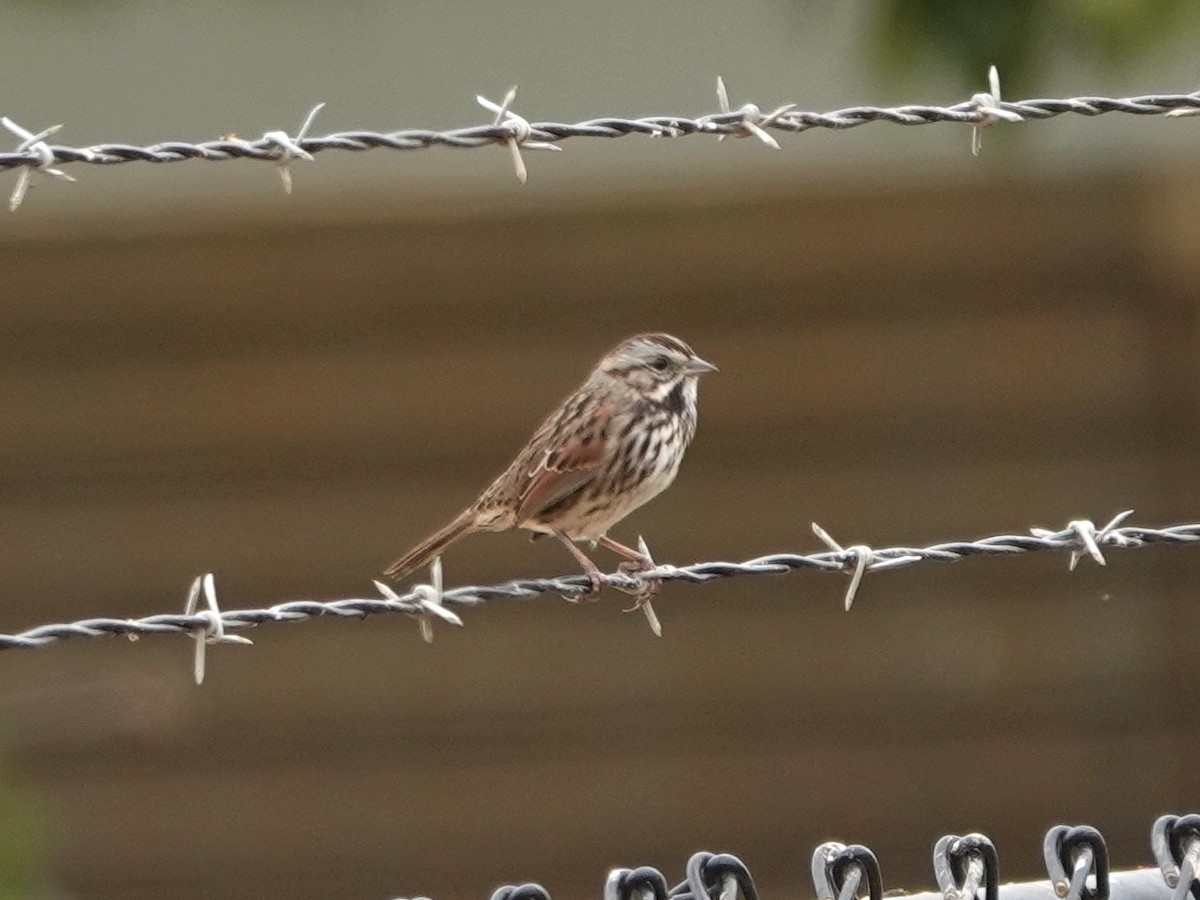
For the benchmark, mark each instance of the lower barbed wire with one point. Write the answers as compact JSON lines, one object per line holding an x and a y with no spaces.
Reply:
{"x":1077,"y":541}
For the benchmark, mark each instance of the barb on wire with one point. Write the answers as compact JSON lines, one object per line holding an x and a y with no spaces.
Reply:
{"x":1089,"y":537}
{"x":42,"y":158}
{"x":213,"y":629}
{"x":991,"y":110}
{"x":646,"y":588}
{"x":290,"y":147}
{"x":753,"y":121}
{"x":863,"y":556}
{"x":517,"y":133}
{"x":426,"y":601}
{"x":519,"y":130}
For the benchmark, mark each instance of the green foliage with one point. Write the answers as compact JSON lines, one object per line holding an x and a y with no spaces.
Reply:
{"x":1021,"y":37}
{"x":23,"y":842}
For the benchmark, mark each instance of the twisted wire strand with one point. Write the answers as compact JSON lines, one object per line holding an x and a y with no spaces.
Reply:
{"x":1080,"y":538}
{"x":739,"y":122}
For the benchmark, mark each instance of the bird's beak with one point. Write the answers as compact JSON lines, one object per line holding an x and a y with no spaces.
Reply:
{"x":698,"y":366}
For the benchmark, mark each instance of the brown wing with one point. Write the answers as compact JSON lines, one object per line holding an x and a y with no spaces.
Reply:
{"x":571,"y":455}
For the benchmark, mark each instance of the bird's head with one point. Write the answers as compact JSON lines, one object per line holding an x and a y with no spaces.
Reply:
{"x":660,"y":367}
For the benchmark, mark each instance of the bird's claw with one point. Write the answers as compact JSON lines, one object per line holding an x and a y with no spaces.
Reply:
{"x":642,"y":598}
{"x":647,"y":588}
{"x":645,"y":591}
{"x":592,"y":592}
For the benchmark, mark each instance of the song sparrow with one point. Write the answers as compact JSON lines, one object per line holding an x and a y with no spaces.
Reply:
{"x":614,"y":444}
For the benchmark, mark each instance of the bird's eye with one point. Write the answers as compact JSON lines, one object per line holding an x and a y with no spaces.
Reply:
{"x":660,"y":364}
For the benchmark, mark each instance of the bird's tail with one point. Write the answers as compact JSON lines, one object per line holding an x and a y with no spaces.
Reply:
{"x":432,"y":546}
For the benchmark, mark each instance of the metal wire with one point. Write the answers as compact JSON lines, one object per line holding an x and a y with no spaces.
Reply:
{"x":851,"y":872}
{"x":1080,"y":538}
{"x":513,"y":130}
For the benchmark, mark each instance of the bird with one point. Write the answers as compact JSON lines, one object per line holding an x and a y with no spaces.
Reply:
{"x":610,"y":447}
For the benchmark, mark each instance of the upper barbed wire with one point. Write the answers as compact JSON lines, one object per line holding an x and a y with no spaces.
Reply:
{"x":1080,"y":538}
{"x":518,"y":132}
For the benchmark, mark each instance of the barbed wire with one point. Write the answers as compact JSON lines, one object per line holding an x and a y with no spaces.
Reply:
{"x":430,"y":602}
{"x":34,"y":155}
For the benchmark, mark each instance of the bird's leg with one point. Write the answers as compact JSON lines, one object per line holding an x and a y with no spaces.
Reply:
{"x":590,"y":569}
{"x":636,"y":561}
{"x":642,"y":560}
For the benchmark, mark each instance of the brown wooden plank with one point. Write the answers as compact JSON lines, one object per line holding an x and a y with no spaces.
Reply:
{"x":990,"y":364}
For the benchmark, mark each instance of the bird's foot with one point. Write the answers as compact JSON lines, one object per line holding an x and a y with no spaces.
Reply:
{"x":647,"y":588}
{"x":592,"y":592}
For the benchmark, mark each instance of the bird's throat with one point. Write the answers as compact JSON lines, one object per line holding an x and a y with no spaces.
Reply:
{"x":675,"y":401}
